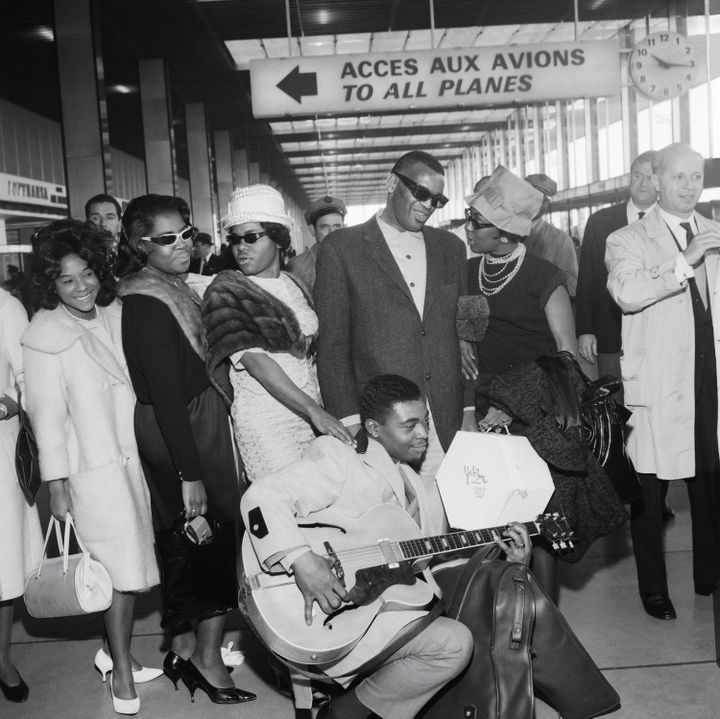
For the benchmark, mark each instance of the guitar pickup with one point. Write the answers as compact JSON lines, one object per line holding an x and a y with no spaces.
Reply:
{"x":391,"y":553}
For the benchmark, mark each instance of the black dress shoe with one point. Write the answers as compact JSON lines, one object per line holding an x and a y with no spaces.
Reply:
{"x":193,"y":679}
{"x":172,"y":667}
{"x":658,"y":605}
{"x":17,"y":692}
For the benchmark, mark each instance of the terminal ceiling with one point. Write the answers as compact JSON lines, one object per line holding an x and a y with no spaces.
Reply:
{"x":208,"y":44}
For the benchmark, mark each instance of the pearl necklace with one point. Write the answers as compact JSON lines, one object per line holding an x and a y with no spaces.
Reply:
{"x":80,"y":319}
{"x":492,"y":283}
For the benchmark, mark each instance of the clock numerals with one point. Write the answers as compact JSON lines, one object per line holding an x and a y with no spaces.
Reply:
{"x":663,"y":65}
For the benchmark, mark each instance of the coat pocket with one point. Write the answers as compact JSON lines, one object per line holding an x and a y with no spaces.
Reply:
{"x":634,"y":384}
{"x":99,"y":503}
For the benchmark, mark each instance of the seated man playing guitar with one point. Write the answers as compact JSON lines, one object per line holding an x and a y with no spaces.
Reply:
{"x":344,"y":496}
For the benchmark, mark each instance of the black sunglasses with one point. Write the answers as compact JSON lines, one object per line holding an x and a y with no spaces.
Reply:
{"x":421,"y":193}
{"x":249,"y":238}
{"x":477,"y":224}
{"x":171,"y":238}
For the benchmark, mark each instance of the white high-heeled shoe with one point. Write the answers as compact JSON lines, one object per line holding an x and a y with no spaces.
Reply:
{"x":124,"y":706}
{"x":104,"y":664}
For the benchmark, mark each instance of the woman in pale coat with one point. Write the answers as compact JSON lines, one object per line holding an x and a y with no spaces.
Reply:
{"x":20,"y":537}
{"x":81,"y":403}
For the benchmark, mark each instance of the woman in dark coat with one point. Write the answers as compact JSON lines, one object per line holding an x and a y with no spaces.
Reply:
{"x":185,"y":444}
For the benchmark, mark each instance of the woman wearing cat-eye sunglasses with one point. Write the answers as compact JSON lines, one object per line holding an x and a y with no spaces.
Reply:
{"x":261,"y":330}
{"x":185,"y":443}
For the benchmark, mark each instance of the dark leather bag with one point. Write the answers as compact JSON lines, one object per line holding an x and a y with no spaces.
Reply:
{"x":27,"y":463}
{"x":522,"y":642}
{"x":603,"y":423}
{"x":602,"y":419}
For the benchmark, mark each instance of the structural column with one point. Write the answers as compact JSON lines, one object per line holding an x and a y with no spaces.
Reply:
{"x":82,"y":96}
{"x":241,"y":176}
{"x":223,"y":169}
{"x":160,"y":165}
{"x":201,"y":193}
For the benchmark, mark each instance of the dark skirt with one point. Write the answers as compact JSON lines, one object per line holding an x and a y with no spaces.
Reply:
{"x":197,"y":582}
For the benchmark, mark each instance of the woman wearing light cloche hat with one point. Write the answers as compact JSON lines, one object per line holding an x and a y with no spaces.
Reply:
{"x":261,"y":333}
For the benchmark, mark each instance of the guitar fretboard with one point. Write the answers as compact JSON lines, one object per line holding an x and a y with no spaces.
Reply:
{"x":454,"y":541}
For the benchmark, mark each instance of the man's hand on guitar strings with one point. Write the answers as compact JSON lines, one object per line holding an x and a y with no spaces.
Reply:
{"x":517,"y":546}
{"x":318,"y":583}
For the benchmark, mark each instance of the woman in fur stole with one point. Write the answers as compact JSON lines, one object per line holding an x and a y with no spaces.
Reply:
{"x":261,"y":334}
{"x":185,"y":443}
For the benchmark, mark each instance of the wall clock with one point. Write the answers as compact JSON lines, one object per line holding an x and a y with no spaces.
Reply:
{"x":664,"y":65}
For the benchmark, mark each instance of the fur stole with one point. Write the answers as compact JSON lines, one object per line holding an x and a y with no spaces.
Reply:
{"x":238,"y":314}
{"x":183,"y":302}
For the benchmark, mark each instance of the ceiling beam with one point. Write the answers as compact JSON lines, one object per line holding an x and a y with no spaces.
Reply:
{"x":426,"y":146}
{"x":410,"y":129}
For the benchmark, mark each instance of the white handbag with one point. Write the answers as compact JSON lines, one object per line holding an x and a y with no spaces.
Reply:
{"x":68,"y":585}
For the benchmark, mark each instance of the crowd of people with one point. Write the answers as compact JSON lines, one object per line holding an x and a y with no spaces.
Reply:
{"x":175,"y":393}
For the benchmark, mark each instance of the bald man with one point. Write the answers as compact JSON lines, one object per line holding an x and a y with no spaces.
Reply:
{"x":663,"y":273}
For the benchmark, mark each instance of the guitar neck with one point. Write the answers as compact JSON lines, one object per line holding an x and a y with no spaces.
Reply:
{"x":426,"y":547}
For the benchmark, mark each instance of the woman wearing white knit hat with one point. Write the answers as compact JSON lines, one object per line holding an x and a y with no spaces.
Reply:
{"x":261,"y":334}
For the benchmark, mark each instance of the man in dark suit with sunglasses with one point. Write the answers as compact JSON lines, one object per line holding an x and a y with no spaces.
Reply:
{"x":386,"y":294}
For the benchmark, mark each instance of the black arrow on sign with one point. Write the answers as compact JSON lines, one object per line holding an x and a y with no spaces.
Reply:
{"x":296,"y":84}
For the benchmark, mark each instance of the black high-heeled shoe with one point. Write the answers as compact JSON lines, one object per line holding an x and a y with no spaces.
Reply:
{"x":17,"y":693}
{"x":192,"y":679}
{"x":172,"y":667}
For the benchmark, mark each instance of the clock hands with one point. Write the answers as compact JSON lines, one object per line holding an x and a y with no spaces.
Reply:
{"x":665,"y":65}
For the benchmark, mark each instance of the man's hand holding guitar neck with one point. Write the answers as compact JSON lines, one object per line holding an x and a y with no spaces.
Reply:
{"x":318,"y":583}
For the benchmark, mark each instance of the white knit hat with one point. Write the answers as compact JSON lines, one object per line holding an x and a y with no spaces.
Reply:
{"x":256,"y":203}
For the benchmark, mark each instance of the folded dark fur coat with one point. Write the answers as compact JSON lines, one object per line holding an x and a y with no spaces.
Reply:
{"x":237,"y":315}
{"x":583,"y":491}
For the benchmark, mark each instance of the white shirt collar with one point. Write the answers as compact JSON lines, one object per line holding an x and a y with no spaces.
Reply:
{"x":673,"y":222}
{"x":391,"y":233}
{"x":633,"y":210}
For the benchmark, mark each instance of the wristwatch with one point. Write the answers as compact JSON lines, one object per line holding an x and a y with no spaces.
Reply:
{"x":4,"y":411}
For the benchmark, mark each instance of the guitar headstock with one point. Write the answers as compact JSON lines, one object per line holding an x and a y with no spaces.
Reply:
{"x":554,"y":528}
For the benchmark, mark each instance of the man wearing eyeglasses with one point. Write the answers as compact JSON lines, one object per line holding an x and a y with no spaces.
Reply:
{"x":386,"y":294}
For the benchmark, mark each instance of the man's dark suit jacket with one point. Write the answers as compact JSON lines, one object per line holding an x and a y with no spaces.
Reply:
{"x":596,"y":311}
{"x":369,"y":324}
{"x":212,"y":265}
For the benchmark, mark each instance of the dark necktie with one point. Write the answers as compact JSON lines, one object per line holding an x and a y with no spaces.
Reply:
{"x":689,"y":234}
{"x":641,"y":214}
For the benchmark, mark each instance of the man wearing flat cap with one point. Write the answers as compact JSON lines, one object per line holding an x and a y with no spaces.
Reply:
{"x":550,"y":242}
{"x":323,"y":217}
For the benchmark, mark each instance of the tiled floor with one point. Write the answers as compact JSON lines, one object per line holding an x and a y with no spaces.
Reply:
{"x":662,"y":670}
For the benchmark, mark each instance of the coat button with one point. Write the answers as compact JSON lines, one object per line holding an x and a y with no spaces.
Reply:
{"x":124,"y":459}
{"x":104,"y":384}
{"x":427,"y":375}
{"x":422,"y":333}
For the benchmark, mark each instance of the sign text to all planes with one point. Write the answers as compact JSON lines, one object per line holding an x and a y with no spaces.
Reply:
{"x":434,"y":78}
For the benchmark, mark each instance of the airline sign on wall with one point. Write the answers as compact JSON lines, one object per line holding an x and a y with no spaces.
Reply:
{"x":25,"y":190}
{"x":430,"y":79}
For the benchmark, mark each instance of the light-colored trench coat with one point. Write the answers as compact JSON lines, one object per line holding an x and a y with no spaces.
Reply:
{"x":81,"y":405}
{"x":20,"y":536}
{"x":658,"y":340}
